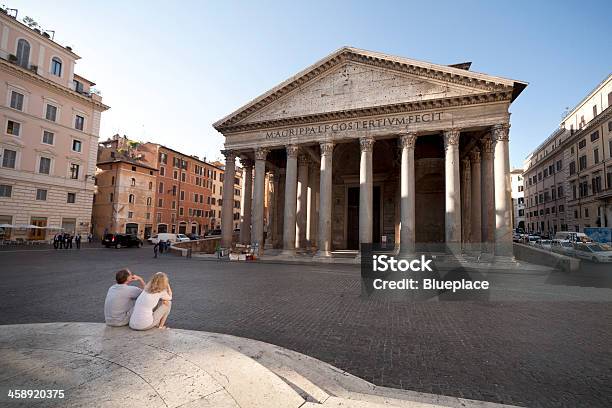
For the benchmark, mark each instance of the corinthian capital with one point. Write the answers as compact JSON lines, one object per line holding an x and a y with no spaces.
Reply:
{"x":261,"y":153}
{"x":366,"y":143}
{"x":408,"y":140}
{"x":326,"y":148}
{"x":229,"y":155}
{"x":487,"y":145}
{"x":292,"y":150}
{"x":246,"y":162}
{"x":500,"y":132}
{"x":451,"y":137}
{"x":475,"y":155}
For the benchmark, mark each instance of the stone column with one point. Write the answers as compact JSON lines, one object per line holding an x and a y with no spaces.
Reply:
{"x":452,"y":219}
{"x":488,"y":195}
{"x":257,"y":232}
{"x":245,"y":226}
{"x":290,"y":200}
{"x":476,"y":199}
{"x":325,"y":201}
{"x":313,"y":189}
{"x":280,"y":208}
{"x":227,"y":208}
{"x":302,"y":203}
{"x":407,"y":194}
{"x":272,"y":191}
{"x":466,"y":213}
{"x":503,"y":191}
{"x":366,"y":193}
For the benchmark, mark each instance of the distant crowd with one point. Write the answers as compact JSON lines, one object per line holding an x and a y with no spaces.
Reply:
{"x":65,"y":240}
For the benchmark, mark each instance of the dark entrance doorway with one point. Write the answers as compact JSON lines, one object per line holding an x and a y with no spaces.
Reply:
{"x":352,"y":217}
{"x":131,"y":228}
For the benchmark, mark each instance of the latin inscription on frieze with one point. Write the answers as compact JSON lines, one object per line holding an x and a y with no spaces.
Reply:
{"x":400,"y":122}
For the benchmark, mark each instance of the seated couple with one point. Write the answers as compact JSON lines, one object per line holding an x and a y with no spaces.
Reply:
{"x":141,"y":307}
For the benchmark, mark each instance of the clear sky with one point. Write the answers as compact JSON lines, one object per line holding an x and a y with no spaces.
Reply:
{"x":170,"y":69}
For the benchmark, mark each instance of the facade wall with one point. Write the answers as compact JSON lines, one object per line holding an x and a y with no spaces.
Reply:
{"x":65,"y":147}
{"x":518,"y":199}
{"x":125,"y":199}
{"x":577,"y":192}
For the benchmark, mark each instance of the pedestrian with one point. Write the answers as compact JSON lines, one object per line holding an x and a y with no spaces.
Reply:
{"x":168,"y":245}
{"x":55,"y":241}
{"x":161,"y":247}
{"x":77,"y":240}
{"x":60,"y":240}
{"x":155,"y":249}
{"x":68,"y":241}
{"x":89,"y":237}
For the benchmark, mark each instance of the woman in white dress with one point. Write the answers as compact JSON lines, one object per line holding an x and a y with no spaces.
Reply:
{"x":153,"y":305}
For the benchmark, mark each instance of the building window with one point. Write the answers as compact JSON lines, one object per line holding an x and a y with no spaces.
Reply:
{"x":51,"y":113}
{"x":131,"y":198}
{"x":16,"y":100}
{"x":113,"y":181}
{"x":130,"y":214}
{"x":133,"y":181}
{"x":9,"y":158}
{"x":583,"y":162}
{"x":6,"y":190}
{"x":160,"y":202}
{"x":586,"y":212}
{"x":572,"y":168}
{"x":582,"y":143}
{"x":56,"y":67}
{"x":133,"y":168}
{"x":41,"y":194}
{"x":174,"y":191}
{"x":182,"y":195}
{"x":44,"y":166}
{"x":13,"y":128}
{"x":559,"y":165}
{"x":71,"y":198}
{"x":23,"y":53}
{"x":183,"y":177}
{"x":175,"y":175}
{"x":148,"y":201}
{"x":594,"y":136}
{"x":560,"y":191}
{"x":148,"y":216}
{"x":78,"y":86}
{"x":561,"y":208}
{"x":181,"y":211}
{"x":596,"y":156}
{"x":48,"y":137}
{"x":594,"y":110}
{"x":161,"y":188}
{"x":79,"y":122}
{"x":111,"y":198}
{"x":173,"y":205}
{"x":77,"y":145}
{"x":74,"y":171}
{"x":150,"y":185}
{"x":162,"y":171}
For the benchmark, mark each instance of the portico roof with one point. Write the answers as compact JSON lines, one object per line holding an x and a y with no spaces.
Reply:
{"x":457,"y":75}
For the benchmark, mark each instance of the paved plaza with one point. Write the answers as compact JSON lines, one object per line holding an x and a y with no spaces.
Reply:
{"x":530,"y":351}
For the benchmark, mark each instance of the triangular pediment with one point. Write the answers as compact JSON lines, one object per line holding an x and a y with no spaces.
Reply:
{"x":352,"y":79}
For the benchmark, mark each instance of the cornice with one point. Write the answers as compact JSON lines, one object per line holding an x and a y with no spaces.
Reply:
{"x":28,"y":75}
{"x":439,"y":103}
{"x":424,"y":70}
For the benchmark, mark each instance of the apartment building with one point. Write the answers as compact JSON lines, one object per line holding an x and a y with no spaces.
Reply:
{"x":568,"y":178}
{"x":50,"y":119}
{"x":217,"y":195}
{"x":518,"y":199}
{"x":124,"y":199}
{"x":183,"y":190}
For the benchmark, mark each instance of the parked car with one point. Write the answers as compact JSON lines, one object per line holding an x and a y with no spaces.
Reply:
{"x":544,"y":244}
{"x":193,"y":236}
{"x":572,"y":236}
{"x":213,"y":233}
{"x":121,"y":240}
{"x":593,"y":252}
{"x":182,"y":238}
{"x":531,"y":239}
{"x":516,"y":237}
{"x":563,"y":247}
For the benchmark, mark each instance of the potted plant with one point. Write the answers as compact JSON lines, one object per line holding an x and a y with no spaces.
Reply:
{"x":46,"y":34}
{"x":34,"y":68}
{"x":69,"y":48}
{"x":12,"y":58}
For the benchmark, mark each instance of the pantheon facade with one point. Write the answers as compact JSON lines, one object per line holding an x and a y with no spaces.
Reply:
{"x":364,"y":147}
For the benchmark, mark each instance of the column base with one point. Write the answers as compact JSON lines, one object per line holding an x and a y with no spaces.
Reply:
{"x":288,"y":252}
{"x":322,"y":255}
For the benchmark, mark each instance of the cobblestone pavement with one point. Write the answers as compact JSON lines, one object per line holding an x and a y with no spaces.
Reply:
{"x":530,"y":353}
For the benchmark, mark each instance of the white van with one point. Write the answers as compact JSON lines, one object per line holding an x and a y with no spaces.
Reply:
{"x":164,"y":236}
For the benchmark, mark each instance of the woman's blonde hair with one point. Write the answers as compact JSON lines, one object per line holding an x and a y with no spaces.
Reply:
{"x":158,"y":282}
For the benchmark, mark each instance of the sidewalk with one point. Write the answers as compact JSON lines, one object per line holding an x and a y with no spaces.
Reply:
{"x":99,"y":366}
